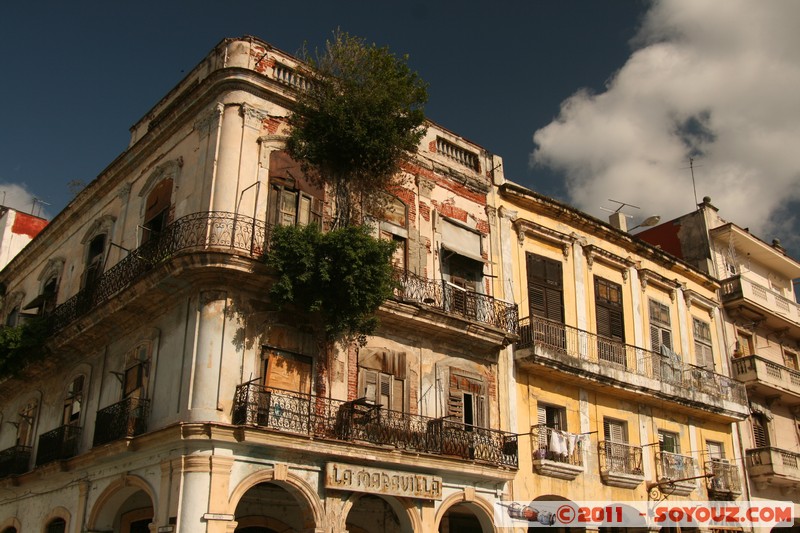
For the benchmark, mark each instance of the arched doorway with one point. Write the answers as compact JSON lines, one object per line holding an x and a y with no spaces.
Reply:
{"x":125,"y":506}
{"x":269,"y":508}
{"x":550,"y":503}
{"x":460,"y":519}
{"x":376,"y":514}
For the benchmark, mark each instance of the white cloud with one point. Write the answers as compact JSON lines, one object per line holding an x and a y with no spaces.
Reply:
{"x":718,"y":81}
{"x":18,"y":197}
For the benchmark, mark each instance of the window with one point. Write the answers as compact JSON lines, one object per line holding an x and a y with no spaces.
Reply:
{"x":156,"y":214}
{"x":57,"y":525}
{"x":94,"y":260}
{"x":73,"y":402}
{"x":760,"y":433}
{"x":703,"y":354}
{"x":27,"y":420}
{"x":137,"y":372}
{"x":715,"y":450}
{"x":669,"y":442}
{"x":744,"y":344}
{"x":552,"y":417}
{"x":615,"y":430}
{"x":610,"y":325}
{"x":660,"y":332}
{"x":293,"y":200}
{"x":287,"y":371}
{"x":790,"y":360}
{"x":467,"y":398}
{"x":546,"y":298}
{"x":381,"y":389}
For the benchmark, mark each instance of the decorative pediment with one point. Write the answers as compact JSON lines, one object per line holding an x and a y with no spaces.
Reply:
{"x":695,"y":298}
{"x":543,"y":233}
{"x":647,"y":276}
{"x":611,"y":259}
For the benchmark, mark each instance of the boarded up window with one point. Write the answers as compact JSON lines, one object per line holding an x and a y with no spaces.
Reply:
{"x":287,"y":371}
{"x":715,"y":450}
{"x":744,"y":344}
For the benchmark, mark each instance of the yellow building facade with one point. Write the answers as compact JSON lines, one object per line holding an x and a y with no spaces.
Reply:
{"x":620,"y":358}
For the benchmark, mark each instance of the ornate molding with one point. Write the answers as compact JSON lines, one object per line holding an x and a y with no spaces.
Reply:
{"x":647,"y":276}
{"x":537,"y":231}
{"x":203,"y":125}
{"x":623,"y":264}
{"x":253,"y":118}
{"x":692,"y":297}
{"x":505,"y":212}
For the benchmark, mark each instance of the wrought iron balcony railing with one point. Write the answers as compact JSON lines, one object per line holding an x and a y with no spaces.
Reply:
{"x":585,"y":346}
{"x":554,"y":445}
{"x":674,"y":467}
{"x":127,"y":418}
{"x":15,"y":460}
{"x":724,"y":477}
{"x":444,"y":296}
{"x":58,"y":444}
{"x":213,"y":231}
{"x":620,"y":458}
{"x":358,"y":421}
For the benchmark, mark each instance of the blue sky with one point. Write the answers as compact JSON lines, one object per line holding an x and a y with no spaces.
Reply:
{"x":584,"y":100}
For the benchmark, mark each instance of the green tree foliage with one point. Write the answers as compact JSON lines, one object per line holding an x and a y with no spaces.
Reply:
{"x":22,"y":344}
{"x":341,"y":276}
{"x":356,"y":121}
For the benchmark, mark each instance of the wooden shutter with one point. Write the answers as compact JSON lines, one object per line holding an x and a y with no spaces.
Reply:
{"x":614,"y":431}
{"x":608,"y":307}
{"x":545,"y":287}
{"x":288,"y":372}
{"x":385,"y":391}
{"x":759,"y":431}
{"x":542,"y":415}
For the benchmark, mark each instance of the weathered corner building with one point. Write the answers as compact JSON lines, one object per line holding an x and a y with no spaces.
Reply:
{"x":177,"y":398}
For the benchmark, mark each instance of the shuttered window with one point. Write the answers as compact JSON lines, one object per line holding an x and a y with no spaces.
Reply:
{"x":669,"y":442}
{"x":703,"y":354}
{"x":552,"y":417}
{"x":615,"y":430}
{"x":744,"y":344}
{"x":466,"y":400}
{"x":715,"y":450}
{"x":760,"y":438}
{"x":610,"y":325}
{"x":660,"y":332}
{"x":381,"y":389}
{"x":545,"y":287}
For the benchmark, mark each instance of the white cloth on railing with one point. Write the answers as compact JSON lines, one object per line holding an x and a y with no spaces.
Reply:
{"x":558,"y":443}
{"x":565,"y":443}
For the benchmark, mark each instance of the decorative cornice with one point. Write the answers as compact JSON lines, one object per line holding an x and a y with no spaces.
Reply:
{"x":203,"y":124}
{"x":505,"y":212}
{"x":537,"y":231}
{"x":693,"y":297}
{"x":647,"y":276}
{"x":623,"y":264}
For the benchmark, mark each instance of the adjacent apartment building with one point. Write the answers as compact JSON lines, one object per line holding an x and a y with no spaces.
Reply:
{"x":761,"y":338}
{"x":177,"y":398}
{"x":622,"y":356}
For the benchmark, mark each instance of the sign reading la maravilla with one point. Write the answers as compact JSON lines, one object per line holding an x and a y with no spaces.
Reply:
{"x":359,"y":478}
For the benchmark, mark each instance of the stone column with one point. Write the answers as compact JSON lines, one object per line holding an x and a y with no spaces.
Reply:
{"x":207,"y":356}
{"x":228,"y":159}
{"x":195,"y":473}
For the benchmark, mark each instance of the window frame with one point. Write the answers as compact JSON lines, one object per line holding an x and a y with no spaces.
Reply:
{"x":657,"y":312}
{"x":703,"y":345}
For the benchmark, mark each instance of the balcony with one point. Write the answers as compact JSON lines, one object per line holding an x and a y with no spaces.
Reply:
{"x":773,"y":466}
{"x":581,"y":357}
{"x":553,"y":455}
{"x":676,"y":471}
{"x":620,"y":464}
{"x":768,"y":378}
{"x":124,"y":419}
{"x":724,"y":482}
{"x":371,"y":425}
{"x":58,"y":444}
{"x":211,"y":231}
{"x":15,"y":461}
{"x":779,"y":312}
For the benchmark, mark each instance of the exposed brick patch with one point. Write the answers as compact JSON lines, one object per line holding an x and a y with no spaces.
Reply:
{"x":425,"y":211}
{"x":432,"y":146}
{"x":482,"y":226}
{"x":262,"y":62}
{"x":272,"y":124}
{"x":352,"y":372}
{"x":449,"y":210}
{"x":446,"y":183}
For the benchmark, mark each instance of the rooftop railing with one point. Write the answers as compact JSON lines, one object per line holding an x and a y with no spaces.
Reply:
{"x":361,"y":421}
{"x":585,"y":346}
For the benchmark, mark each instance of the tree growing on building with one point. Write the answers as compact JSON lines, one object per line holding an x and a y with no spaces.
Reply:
{"x":356,"y":120}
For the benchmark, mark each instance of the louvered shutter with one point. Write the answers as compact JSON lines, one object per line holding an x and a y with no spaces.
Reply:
{"x":614,"y":431}
{"x":545,"y":287}
{"x":385,"y":391}
{"x":603,"y":321}
{"x":398,"y":397}
{"x":759,"y":431}
{"x":542,"y":416}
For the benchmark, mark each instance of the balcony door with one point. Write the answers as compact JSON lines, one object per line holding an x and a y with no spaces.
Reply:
{"x":546,"y":299}
{"x":287,"y":371}
{"x":610,"y":322}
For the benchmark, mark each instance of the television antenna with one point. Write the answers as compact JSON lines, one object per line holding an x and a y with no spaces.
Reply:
{"x":691,"y":170}
{"x":621,"y":205}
